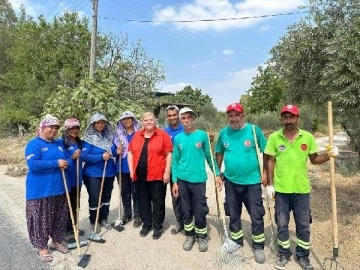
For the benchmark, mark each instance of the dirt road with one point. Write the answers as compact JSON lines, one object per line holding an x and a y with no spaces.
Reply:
{"x":127,"y":250}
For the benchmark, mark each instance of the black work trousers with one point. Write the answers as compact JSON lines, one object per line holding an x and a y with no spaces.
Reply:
{"x":250,"y":196}
{"x":194,"y":205}
{"x":152,"y":203}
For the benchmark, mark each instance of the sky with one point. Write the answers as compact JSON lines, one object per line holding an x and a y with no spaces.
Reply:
{"x":219,"y":57}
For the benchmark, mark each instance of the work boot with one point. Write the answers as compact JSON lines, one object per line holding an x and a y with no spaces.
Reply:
{"x":178,"y":228}
{"x":98,"y":228}
{"x":137,"y":222}
{"x":157,"y":234}
{"x":125,"y":220}
{"x":105,"y":224}
{"x":282,"y":261}
{"x":203,"y":244}
{"x":259,"y":255}
{"x":189,"y":242}
{"x":144,"y":231}
{"x":304,"y":262}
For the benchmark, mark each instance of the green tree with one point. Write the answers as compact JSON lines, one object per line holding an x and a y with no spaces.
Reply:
{"x":73,"y":102}
{"x":319,"y":60}
{"x":266,"y":92}
{"x":7,"y":23}
{"x":192,"y":96}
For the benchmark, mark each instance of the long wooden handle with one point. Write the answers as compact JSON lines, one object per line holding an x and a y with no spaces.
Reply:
{"x":100,"y":196}
{"x":71,"y":213}
{"x":220,"y":205}
{"x":77,"y":195}
{"x":332,"y":177}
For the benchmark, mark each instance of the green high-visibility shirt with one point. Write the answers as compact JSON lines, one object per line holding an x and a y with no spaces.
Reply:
{"x":189,"y":155}
{"x":290,"y":174}
{"x":240,"y":157}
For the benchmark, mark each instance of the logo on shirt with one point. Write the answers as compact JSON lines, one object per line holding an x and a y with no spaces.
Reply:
{"x":179,"y":146}
{"x":304,"y":146}
{"x":281,"y":147}
{"x":60,"y":148}
{"x":29,"y":156}
{"x":198,"y":145}
{"x":44,"y":149}
{"x":247,"y":143}
{"x":226,"y":144}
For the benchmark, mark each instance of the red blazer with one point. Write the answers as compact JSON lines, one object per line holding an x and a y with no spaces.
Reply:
{"x":159,"y":144}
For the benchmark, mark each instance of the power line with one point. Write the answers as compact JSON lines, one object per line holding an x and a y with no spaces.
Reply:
{"x":217,"y":27}
{"x":201,"y":33}
{"x":54,"y":8}
{"x":205,"y":20}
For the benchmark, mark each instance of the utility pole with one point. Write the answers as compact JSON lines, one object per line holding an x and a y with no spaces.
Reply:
{"x":93,"y":40}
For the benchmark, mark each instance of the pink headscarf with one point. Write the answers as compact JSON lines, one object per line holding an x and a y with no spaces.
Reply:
{"x":70,"y":123}
{"x":47,"y":121}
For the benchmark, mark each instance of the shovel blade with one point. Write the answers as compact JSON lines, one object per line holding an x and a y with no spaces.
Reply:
{"x":96,"y":238}
{"x":84,"y":260}
{"x":118,"y":227}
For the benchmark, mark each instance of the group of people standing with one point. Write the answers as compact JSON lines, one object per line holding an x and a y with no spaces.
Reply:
{"x":147,"y":159}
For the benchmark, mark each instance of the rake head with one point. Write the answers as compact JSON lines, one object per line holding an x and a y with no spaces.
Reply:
{"x":333,"y":263}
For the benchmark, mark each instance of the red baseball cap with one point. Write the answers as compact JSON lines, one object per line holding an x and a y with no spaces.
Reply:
{"x":235,"y":107}
{"x":291,"y":109}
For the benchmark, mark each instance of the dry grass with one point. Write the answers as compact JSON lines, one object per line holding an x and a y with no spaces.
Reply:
{"x":12,"y":151}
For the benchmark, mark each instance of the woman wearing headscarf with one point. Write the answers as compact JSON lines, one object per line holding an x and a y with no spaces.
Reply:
{"x":73,"y":145}
{"x":126,"y":128}
{"x":46,"y":206}
{"x":98,"y":147}
{"x":149,"y":160}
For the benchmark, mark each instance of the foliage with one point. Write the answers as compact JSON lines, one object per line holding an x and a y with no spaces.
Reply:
{"x":192,"y":96}
{"x":266,"y":92}
{"x":74,"y":102}
{"x":268,"y":121}
{"x":50,"y":58}
{"x":319,"y":60}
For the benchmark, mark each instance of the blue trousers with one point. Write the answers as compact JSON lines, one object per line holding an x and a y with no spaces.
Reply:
{"x":300,"y":205}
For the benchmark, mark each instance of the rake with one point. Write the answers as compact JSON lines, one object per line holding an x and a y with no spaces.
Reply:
{"x":228,"y":246}
{"x":267,"y":201}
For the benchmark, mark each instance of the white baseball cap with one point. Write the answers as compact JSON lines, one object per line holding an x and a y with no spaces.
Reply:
{"x":185,"y":110}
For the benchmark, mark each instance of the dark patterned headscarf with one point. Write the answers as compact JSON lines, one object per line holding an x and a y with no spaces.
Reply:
{"x":120,"y":135}
{"x":103,"y":140}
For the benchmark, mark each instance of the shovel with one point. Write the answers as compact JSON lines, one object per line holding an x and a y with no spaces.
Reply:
{"x":94,"y":237}
{"x":118,"y":223}
{"x":333,"y":262}
{"x":81,"y":243}
{"x":83,"y":259}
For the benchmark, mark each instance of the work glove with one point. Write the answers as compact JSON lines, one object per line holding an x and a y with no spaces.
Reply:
{"x":332,"y":150}
{"x":270,"y":192}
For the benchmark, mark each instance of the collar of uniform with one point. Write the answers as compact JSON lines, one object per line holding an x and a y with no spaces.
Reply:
{"x":178,"y":127}
{"x":281,"y":133}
